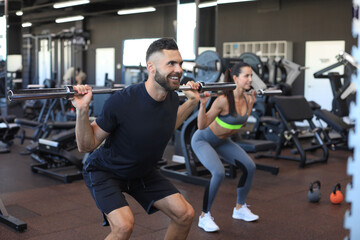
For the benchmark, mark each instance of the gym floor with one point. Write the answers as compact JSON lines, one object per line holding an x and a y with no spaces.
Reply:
{"x":54,"y":210}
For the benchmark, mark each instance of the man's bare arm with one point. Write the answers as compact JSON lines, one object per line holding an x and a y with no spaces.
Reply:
{"x":184,"y":111}
{"x":88,"y":136}
{"x":187,"y":107}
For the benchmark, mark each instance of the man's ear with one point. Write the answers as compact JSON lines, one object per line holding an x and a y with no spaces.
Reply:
{"x":150,"y":67}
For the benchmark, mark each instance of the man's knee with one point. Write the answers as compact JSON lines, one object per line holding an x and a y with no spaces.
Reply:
{"x":186,"y":215}
{"x":122,"y":228}
{"x":121,"y":224}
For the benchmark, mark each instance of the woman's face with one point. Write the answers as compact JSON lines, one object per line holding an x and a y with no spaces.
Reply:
{"x":243,"y":79}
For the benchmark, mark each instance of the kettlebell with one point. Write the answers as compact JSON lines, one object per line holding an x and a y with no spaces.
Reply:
{"x":336,"y":197}
{"x":314,"y":193}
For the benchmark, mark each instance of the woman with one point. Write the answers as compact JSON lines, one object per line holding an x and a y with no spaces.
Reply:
{"x":230,"y":111}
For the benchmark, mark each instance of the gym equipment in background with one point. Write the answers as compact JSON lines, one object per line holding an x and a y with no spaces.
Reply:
{"x":288,"y":71}
{"x":206,"y":68}
{"x":8,"y":131}
{"x":54,"y":157}
{"x":260,"y":67}
{"x":9,"y":220}
{"x":314,"y":194}
{"x":341,"y":91}
{"x":293,"y":109}
{"x":50,"y":55}
{"x":336,"y":131}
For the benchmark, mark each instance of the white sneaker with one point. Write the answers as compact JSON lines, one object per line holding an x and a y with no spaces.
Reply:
{"x":245,"y":214}
{"x":207,"y":223}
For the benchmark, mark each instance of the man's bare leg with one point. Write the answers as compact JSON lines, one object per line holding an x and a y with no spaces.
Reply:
{"x":121,"y":223}
{"x":181,"y":214}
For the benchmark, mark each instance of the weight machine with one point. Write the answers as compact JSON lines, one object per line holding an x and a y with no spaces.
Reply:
{"x":333,"y":118}
{"x":341,"y":91}
{"x":50,"y":55}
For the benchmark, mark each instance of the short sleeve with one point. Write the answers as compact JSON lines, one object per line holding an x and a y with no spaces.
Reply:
{"x":109,"y":117}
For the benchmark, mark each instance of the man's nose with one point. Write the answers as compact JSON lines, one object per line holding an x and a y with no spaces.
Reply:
{"x":178,"y":69}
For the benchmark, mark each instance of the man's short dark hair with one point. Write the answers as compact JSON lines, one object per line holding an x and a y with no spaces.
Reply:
{"x":159,"y":45}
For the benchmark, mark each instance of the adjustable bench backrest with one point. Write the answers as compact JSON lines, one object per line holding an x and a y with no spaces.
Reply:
{"x":293,"y":108}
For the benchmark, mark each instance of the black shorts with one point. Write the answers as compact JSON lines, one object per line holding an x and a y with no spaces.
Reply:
{"x":107,"y":190}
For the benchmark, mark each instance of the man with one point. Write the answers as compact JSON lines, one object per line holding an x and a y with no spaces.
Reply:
{"x":137,"y":124}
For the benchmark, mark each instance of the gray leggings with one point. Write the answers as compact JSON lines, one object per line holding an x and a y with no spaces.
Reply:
{"x":207,"y":147}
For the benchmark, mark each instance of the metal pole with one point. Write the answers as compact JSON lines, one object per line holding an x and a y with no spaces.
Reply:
{"x":197,"y":27}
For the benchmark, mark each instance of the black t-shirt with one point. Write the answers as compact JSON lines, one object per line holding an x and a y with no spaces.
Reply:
{"x":139,"y":127}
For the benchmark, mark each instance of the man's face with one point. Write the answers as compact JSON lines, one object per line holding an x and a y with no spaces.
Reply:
{"x":168,"y":69}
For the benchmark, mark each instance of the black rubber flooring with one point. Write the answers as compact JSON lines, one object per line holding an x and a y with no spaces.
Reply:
{"x":54,"y":210}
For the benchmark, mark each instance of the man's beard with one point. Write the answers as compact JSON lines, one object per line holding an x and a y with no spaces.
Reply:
{"x":165,"y":83}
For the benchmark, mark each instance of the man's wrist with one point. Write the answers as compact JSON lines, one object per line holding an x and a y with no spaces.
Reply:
{"x":82,"y":109}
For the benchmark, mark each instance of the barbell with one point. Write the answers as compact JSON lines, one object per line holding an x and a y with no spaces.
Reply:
{"x":68,"y":92}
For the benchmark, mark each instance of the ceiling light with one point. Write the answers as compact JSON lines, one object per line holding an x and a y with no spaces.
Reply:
{"x":207,"y":4}
{"x":19,"y":13}
{"x":136,"y":10}
{"x":232,"y":1}
{"x":26,"y":24}
{"x":69,"y":19}
{"x":70,"y":3}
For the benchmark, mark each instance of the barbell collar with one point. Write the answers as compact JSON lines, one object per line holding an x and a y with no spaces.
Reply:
{"x":262,"y":92}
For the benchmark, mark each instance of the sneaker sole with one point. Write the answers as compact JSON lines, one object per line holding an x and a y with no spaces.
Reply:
{"x":207,"y":230}
{"x":245,"y":219}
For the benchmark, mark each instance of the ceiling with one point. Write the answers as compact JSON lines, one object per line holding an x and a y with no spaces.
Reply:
{"x":42,"y":11}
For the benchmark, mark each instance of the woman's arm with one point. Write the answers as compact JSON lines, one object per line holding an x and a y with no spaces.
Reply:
{"x":206,"y":118}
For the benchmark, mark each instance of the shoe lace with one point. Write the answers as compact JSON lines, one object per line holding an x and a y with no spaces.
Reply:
{"x":246,"y":207}
{"x":211,"y":217}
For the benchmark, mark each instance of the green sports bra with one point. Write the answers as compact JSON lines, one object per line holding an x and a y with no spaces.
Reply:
{"x":233,"y":122}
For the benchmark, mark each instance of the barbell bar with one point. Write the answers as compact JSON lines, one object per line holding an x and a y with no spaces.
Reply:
{"x":68,"y":92}
{"x":47,"y":93}
{"x":270,"y":92}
